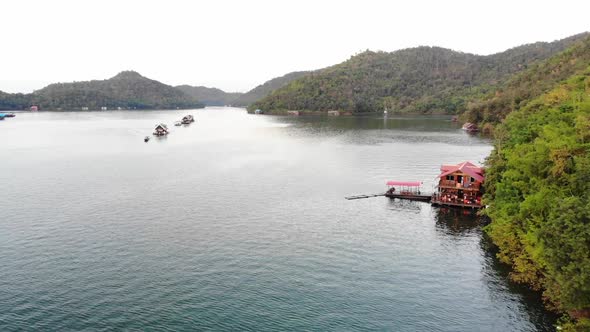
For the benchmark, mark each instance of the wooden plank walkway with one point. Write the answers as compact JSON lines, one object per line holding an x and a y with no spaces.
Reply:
{"x":411,"y":197}
{"x":427,"y":198}
{"x":441,"y":203}
{"x":364,"y":196}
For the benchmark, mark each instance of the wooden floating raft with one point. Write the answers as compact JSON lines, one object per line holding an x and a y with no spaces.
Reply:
{"x":411,"y":197}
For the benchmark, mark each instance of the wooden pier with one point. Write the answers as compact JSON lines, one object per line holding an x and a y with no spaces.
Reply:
{"x":363,"y":196}
{"x":426,"y":198}
{"x":410,"y":197}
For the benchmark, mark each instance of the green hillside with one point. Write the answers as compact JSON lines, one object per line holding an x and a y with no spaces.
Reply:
{"x":128,"y":90}
{"x":266,"y":88}
{"x":539,"y":78}
{"x":422,"y":79}
{"x":538,"y":181}
{"x":210,"y":96}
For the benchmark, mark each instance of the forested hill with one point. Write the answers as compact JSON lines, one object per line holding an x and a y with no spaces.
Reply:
{"x":538,"y":192}
{"x":422,"y":79}
{"x":520,"y":89}
{"x":266,"y":88}
{"x":210,"y":96}
{"x":127,"y":90}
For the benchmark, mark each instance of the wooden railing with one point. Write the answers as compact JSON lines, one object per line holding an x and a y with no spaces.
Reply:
{"x":455,"y":184}
{"x":449,"y":199}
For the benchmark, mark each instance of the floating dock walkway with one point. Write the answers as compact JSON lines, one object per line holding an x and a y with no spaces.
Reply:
{"x":426,"y":198}
{"x":411,"y":197}
{"x":363,"y":196}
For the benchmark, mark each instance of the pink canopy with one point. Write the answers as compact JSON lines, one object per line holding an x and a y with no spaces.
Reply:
{"x":404,"y":183}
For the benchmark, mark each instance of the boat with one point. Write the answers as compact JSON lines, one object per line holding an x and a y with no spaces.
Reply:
{"x":161,"y":130}
{"x":147,"y":138}
{"x":409,"y":190}
{"x":258,"y":111}
{"x":470,"y":127}
{"x":10,"y":115}
{"x":187,"y":119}
{"x":177,"y":123}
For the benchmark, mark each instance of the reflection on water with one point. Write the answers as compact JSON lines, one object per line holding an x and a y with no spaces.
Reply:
{"x":457,"y":221}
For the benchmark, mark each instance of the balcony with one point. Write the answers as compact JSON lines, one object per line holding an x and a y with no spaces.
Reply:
{"x":455,"y":184}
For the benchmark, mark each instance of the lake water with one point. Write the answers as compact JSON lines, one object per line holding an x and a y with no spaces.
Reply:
{"x":239,"y":222}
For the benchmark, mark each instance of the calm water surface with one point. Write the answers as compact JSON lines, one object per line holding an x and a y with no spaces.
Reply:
{"x":239,"y":222}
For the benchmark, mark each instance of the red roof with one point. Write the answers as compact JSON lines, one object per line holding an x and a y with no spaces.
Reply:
{"x":464,"y":167}
{"x":404,"y":183}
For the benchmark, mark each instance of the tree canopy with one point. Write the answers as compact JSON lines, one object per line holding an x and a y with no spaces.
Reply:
{"x":422,"y":80}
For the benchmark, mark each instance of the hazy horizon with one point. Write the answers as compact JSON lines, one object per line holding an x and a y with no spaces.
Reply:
{"x":237,"y":46}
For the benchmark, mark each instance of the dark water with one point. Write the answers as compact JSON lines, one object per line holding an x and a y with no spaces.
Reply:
{"x":238,"y":222}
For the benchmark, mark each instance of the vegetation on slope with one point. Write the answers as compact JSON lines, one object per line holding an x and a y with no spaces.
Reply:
{"x":128,"y":89}
{"x":14,"y":101}
{"x":267,"y":88}
{"x":422,"y":79}
{"x":536,"y":80}
{"x":210,"y":96}
{"x":538,"y":181}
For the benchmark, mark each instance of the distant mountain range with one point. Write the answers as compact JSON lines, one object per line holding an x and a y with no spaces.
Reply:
{"x":417,"y":80}
{"x":217,"y":97}
{"x":126,"y":90}
{"x":267,"y":88}
{"x":210,"y":96}
{"x":130,"y":90}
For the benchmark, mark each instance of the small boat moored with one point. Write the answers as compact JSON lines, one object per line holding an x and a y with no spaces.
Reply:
{"x":470,"y":127}
{"x":146,"y":139}
{"x":177,"y":123}
{"x":10,"y":115}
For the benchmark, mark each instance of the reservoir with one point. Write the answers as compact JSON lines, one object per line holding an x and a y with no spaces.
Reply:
{"x":239,"y":222}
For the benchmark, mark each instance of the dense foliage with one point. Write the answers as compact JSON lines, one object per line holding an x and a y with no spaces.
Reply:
{"x":538,"y":181}
{"x":127,"y":90}
{"x":422,"y":79}
{"x":14,"y":101}
{"x":539,"y":78}
{"x":266,"y":88}
{"x":210,"y":96}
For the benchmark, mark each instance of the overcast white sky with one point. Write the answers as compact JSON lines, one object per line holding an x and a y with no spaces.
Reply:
{"x":236,"y":45}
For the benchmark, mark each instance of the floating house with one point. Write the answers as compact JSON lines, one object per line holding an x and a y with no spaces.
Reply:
{"x":333,"y":113}
{"x":85,"y":108}
{"x":104,"y":108}
{"x":161,"y":130}
{"x":187,"y":119}
{"x":34,"y":108}
{"x":460,"y":185}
